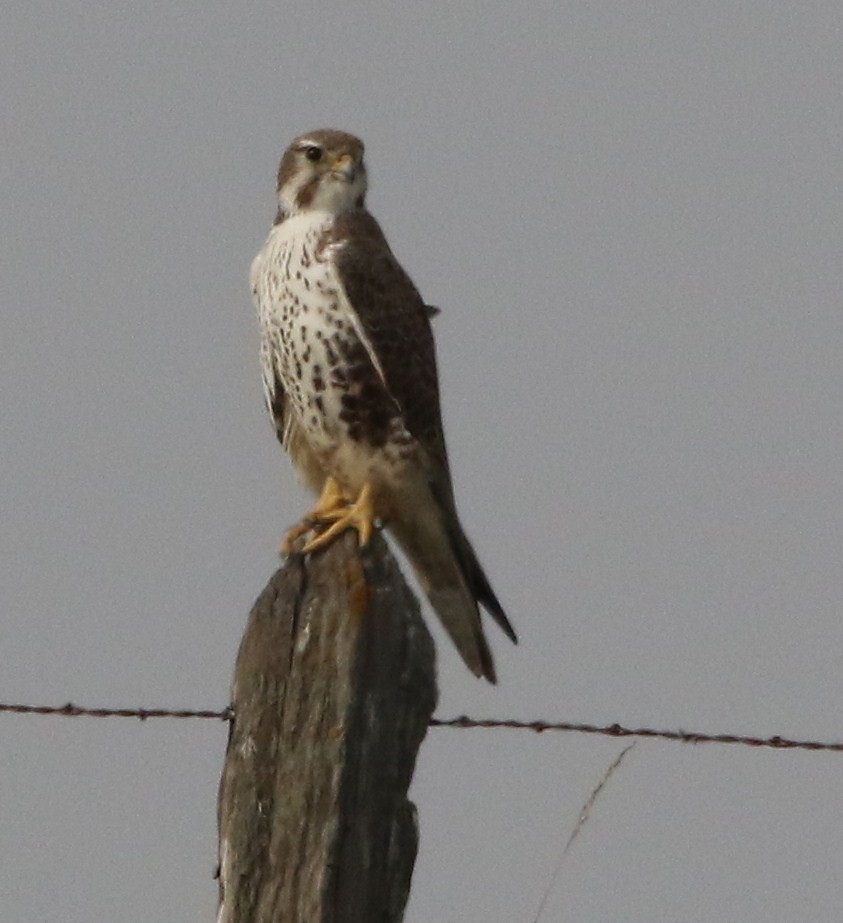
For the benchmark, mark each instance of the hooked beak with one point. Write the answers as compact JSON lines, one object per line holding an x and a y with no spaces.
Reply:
{"x":344,"y":168}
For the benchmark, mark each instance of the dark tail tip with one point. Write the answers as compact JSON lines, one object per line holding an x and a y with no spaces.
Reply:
{"x":479,"y":585}
{"x":487,"y":664}
{"x":486,"y":597}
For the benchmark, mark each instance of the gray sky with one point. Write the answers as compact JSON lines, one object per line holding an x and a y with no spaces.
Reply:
{"x":631,"y":215}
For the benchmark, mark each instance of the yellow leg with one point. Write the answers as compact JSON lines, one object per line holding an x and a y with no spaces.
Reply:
{"x":331,"y":505}
{"x":360,"y":516}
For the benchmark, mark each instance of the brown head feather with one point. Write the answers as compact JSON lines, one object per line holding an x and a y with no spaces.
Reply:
{"x":300,"y":178}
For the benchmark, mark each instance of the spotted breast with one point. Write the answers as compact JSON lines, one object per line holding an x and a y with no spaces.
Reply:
{"x":315,"y":353}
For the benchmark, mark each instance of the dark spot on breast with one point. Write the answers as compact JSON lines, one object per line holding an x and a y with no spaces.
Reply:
{"x":318,"y":380}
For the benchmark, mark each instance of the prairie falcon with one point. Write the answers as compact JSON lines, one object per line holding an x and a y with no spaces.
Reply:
{"x":349,"y":374}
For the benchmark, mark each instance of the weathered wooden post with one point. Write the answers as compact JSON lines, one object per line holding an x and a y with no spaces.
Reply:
{"x":333,"y":690}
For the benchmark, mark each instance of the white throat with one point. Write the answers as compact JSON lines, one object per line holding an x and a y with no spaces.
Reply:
{"x":333,"y":195}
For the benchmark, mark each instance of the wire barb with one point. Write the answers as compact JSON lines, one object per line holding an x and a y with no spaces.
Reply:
{"x":462,"y":722}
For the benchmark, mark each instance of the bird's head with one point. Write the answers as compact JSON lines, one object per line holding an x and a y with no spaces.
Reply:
{"x":322,"y":171}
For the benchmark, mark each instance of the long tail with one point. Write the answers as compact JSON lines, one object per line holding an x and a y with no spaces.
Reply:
{"x":452,"y":578}
{"x":477,"y":580}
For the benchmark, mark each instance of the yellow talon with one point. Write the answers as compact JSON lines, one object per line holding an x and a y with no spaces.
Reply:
{"x":331,"y":506}
{"x":360,"y":516}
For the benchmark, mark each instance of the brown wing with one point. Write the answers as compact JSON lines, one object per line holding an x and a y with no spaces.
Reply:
{"x":396,"y":322}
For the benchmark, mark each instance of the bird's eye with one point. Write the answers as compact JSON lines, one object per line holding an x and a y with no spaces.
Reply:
{"x":313,"y":153}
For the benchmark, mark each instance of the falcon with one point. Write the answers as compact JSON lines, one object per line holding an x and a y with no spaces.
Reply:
{"x":349,"y":375}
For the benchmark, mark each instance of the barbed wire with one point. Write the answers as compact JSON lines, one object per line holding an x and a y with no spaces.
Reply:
{"x":75,"y":711}
{"x":775,"y":742}
{"x":463,"y":722}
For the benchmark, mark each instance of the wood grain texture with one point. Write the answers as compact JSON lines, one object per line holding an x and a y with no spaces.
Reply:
{"x":333,"y":690}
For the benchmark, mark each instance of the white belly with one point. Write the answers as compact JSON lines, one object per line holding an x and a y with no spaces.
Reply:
{"x":304,"y":314}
